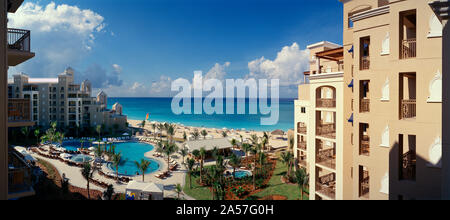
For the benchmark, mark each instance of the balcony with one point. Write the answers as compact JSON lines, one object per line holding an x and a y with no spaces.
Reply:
{"x":327,"y":130}
{"x":19,"y":113}
{"x":302,"y":145}
{"x":408,"y":171}
{"x":364,"y":105}
{"x":327,"y":158}
{"x":408,"y":109}
{"x":18,"y":46}
{"x":364,"y":185}
{"x":408,"y":49}
{"x":301,"y":128}
{"x":364,"y":148}
{"x":365,"y":63}
{"x":19,"y":176}
{"x":326,"y":103}
{"x":326,"y":185}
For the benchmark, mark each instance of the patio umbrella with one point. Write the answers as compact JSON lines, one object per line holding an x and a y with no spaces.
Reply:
{"x":125,"y":134}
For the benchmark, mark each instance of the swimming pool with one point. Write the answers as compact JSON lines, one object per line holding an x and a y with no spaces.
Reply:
{"x":74,"y":145}
{"x":131,"y":152}
{"x":242,"y":173}
{"x":80,"y":158}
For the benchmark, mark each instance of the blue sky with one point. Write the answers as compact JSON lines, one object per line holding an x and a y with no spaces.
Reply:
{"x":144,"y":44}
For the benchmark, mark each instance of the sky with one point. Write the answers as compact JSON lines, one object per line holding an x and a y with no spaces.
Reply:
{"x":137,"y":48}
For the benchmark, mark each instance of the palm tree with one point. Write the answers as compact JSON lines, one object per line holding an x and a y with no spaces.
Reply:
{"x":98,"y":152}
{"x":291,"y":143}
{"x":26,"y":132}
{"x":109,"y":192}
{"x":264,"y":142}
{"x":190,"y":166}
{"x":87,"y":173}
{"x":116,"y":162}
{"x":154,"y":130}
{"x":254,"y":139}
{"x":246,"y":148}
{"x":286,"y":158}
{"x":196,"y":154}
{"x":224,"y":134}
{"x":98,"y":129}
{"x":184,"y":136}
{"x":81,"y":143}
{"x":302,"y":180}
{"x":235,"y":162}
{"x":143,"y":167}
{"x":37,"y":132}
{"x":184,"y":152}
{"x":233,"y":142}
{"x":161,"y":128}
{"x":171,"y":132}
{"x":204,"y":134}
{"x":179,"y":190}
{"x":202,"y":160}
{"x":143,"y":124}
{"x":196,"y":134}
{"x":169,"y":149}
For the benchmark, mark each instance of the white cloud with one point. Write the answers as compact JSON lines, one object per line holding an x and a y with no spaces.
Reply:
{"x":117,"y":68}
{"x":61,"y":35}
{"x":288,"y":66}
{"x":217,"y":71}
{"x":161,"y":87}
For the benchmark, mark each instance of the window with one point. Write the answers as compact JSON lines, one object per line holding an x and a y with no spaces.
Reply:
{"x":364,"y":183}
{"x":407,"y":157}
{"x":364,"y":100}
{"x":303,"y":110}
{"x":408,"y":31}
{"x":407,"y":92}
{"x":364,"y":53}
{"x":364,"y":139}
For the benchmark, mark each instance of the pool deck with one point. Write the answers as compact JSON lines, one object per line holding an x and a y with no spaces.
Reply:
{"x":76,"y":179}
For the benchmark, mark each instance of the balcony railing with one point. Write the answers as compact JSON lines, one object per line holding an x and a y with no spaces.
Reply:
{"x":326,"y":185}
{"x":364,"y":149}
{"x":19,"y":110}
{"x":302,"y":145}
{"x":364,"y":185}
{"x":326,"y":103}
{"x":408,"y":108}
{"x":365,"y":63}
{"x":301,"y":128}
{"x":365,"y":105}
{"x":408,"y":49}
{"x":408,"y":166}
{"x":19,"y":39}
{"x":326,"y":158}
{"x":19,"y":174}
{"x":327,"y":130}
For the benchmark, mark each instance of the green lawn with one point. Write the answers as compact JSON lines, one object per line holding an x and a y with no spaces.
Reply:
{"x":275,"y":187}
{"x":197,"y":192}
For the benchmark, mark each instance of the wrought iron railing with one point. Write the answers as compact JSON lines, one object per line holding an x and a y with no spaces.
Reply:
{"x":408,"y":49}
{"x":301,"y":128}
{"x":19,"y":39}
{"x":365,"y":105}
{"x":364,"y":148}
{"x":364,"y":185}
{"x":408,"y":166}
{"x":326,"y":158}
{"x":408,"y":108}
{"x":326,"y":185}
{"x":326,"y":103}
{"x":365,"y":63}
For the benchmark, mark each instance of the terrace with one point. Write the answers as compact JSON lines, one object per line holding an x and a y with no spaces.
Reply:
{"x":326,"y":185}
{"x":19,"y":113}
{"x":19,"y":46}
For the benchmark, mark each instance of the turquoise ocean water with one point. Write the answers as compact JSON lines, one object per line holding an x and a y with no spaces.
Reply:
{"x":160,"y":110}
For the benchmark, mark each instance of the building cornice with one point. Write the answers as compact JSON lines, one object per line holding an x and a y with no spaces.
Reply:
{"x":326,"y":76}
{"x":371,"y":13}
{"x":441,"y":8}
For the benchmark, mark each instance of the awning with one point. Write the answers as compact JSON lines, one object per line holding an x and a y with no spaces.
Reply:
{"x":351,"y":119}
{"x":351,"y":84}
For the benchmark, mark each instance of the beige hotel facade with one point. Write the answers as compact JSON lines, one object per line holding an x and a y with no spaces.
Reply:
{"x":385,"y":95}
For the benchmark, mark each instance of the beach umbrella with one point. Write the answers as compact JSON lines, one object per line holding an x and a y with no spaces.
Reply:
{"x":125,"y":134}
{"x":91,"y":148}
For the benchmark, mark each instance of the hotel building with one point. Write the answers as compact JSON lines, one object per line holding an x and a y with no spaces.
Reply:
{"x":29,"y":102}
{"x":319,"y":117}
{"x":15,"y":174}
{"x":387,"y":115}
{"x":65,"y":102}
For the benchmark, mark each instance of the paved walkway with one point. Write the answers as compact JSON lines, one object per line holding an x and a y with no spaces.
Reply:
{"x":76,"y":179}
